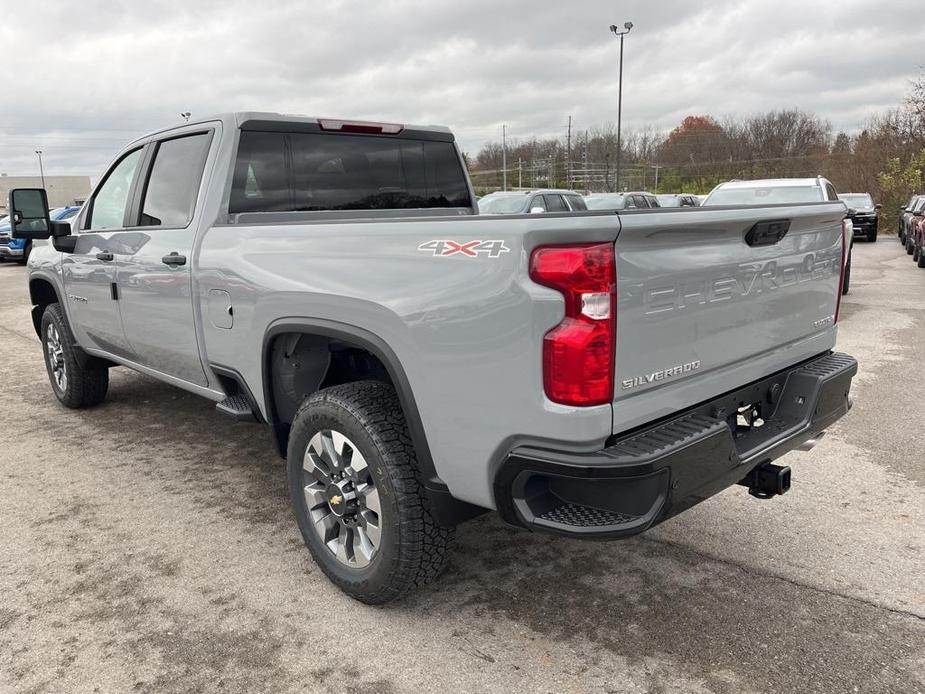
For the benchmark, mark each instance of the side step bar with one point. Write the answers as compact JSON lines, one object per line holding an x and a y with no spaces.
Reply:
{"x":239,"y":407}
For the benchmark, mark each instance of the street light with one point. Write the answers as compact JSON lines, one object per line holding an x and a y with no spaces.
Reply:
{"x":616,"y":31}
{"x":41,"y":170}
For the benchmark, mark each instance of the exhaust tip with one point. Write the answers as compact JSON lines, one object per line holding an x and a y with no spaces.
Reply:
{"x":810,"y":444}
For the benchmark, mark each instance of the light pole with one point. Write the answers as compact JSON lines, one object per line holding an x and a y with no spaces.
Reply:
{"x":41,"y":170}
{"x":504,"y":156}
{"x":616,"y":31}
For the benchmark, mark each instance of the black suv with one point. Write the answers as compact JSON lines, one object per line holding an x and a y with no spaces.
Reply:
{"x":863,"y":213}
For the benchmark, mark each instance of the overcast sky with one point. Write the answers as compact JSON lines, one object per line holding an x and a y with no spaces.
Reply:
{"x":81,"y":79}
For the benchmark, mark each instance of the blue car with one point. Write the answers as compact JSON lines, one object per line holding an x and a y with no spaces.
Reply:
{"x":19,"y":249}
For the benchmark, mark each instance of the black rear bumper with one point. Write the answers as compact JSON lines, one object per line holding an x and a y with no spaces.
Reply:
{"x":653,"y":473}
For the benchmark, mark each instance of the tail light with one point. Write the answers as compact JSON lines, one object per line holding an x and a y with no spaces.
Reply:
{"x":578,"y":354}
{"x":846,"y":235}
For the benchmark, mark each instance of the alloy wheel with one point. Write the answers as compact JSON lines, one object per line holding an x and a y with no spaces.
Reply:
{"x":55,"y":354}
{"x":342,"y":499}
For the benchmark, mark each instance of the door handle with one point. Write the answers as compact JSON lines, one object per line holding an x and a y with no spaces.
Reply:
{"x":174,"y":258}
{"x":104,"y":255}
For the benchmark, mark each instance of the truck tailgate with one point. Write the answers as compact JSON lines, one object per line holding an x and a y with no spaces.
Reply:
{"x":701,"y":310}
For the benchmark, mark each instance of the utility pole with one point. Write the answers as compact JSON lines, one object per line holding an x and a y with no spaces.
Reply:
{"x":568,"y":152}
{"x":41,"y":170}
{"x":657,"y":167}
{"x":616,"y":30}
{"x":504,"y":157}
{"x":520,"y":173}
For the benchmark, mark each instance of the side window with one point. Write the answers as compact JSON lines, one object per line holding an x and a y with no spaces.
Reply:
{"x":629,"y":202}
{"x":830,"y":192}
{"x":640,"y":201}
{"x":107,"y":208}
{"x":576,"y":203}
{"x":173,"y":185}
{"x":555,"y":203}
{"x":652,"y":200}
{"x":537,"y":202}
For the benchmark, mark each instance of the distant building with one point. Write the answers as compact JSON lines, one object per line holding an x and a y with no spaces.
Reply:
{"x":62,"y":190}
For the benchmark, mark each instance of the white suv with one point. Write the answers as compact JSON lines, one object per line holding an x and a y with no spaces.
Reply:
{"x":771,"y":191}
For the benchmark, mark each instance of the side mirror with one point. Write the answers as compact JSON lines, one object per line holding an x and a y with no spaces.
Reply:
{"x":878,"y":206}
{"x":29,"y":213}
{"x":537,"y":210}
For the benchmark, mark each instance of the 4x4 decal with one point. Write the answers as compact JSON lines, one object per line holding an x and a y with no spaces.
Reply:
{"x":468,"y":249}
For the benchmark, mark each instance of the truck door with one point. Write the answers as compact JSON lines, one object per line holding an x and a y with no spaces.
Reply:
{"x":90,"y":271}
{"x":155,"y":281}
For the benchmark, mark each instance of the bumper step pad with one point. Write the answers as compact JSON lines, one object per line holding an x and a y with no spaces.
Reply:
{"x":586,"y":517}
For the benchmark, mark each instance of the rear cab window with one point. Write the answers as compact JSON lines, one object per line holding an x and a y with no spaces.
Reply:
{"x":576,"y":203}
{"x":555,"y":203}
{"x":330,"y":172}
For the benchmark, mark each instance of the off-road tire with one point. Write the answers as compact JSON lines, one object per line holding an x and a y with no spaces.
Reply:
{"x":909,"y":246}
{"x":413,"y":545}
{"x":87,"y":379}
{"x":916,"y":253}
{"x":872,"y":236}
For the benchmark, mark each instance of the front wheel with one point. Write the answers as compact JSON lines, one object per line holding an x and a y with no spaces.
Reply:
{"x":357,"y":496}
{"x":76,"y":383}
{"x":872,"y":235}
{"x":909,"y":246}
{"x":920,"y":261}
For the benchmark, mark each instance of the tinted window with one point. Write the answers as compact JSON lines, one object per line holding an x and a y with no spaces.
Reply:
{"x":576,"y":203}
{"x":537,"y":202}
{"x":280,"y":172}
{"x":555,"y":203}
{"x":108,"y":210}
{"x":630,"y":201}
{"x":652,"y":201}
{"x":173,"y":185}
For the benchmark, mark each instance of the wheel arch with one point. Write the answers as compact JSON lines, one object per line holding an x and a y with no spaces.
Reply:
{"x":42,"y":292}
{"x":446,"y":508}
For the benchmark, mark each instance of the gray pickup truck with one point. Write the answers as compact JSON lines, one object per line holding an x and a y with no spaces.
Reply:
{"x":589,"y":374}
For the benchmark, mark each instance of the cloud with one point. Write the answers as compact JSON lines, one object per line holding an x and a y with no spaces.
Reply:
{"x":81,"y":84}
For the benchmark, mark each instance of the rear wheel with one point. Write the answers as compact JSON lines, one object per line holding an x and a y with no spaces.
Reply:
{"x":77,"y":383}
{"x":26,"y":252}
{"x":920,"y":259}
{"x":358,"y":500}
{"x":909,"y":246}
{"x":916,"y":253}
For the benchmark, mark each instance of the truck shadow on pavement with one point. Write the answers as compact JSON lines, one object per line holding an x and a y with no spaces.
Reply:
{"x":654,"y":605}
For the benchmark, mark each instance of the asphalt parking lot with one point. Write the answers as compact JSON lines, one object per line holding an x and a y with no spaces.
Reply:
{"x":148,"y":545}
